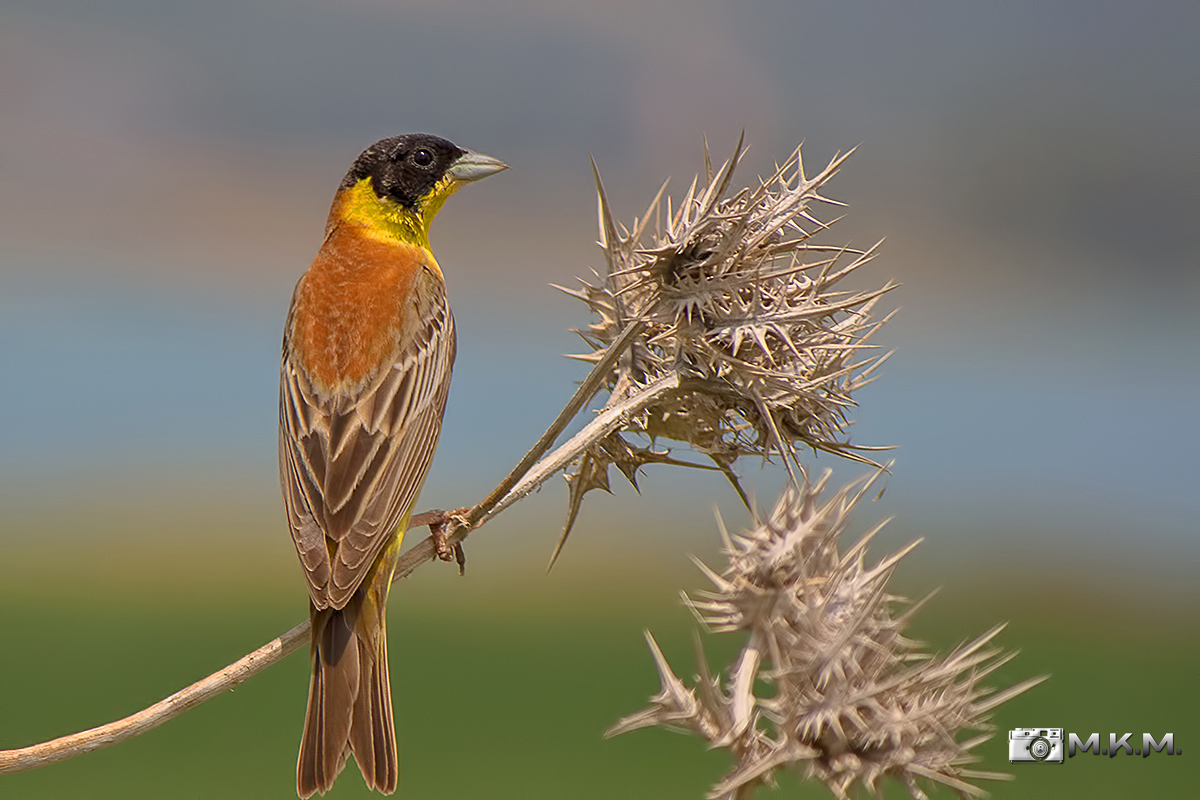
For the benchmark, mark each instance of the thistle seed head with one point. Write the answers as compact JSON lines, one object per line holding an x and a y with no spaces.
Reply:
{"x":726,"y":328}
{"x":851,"y":700}
{"x":736,"y":297}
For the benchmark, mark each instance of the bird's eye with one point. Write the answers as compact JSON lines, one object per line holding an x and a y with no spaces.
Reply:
{"x":422,"y":157}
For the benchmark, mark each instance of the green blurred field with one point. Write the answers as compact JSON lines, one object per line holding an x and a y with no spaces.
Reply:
{"x":505,"y":680}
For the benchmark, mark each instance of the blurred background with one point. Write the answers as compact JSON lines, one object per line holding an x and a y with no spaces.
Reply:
{"x":165,"y":173}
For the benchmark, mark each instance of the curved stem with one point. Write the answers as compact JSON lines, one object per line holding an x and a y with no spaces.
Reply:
{"x":586,"y":391}
{"x":524,"y":478}
{"x":64,"y":747}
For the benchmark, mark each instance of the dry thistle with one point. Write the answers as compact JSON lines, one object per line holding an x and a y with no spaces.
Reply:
{"x":723,"y":329}
{"x":854,"y":700}
{"x":737,"y":322}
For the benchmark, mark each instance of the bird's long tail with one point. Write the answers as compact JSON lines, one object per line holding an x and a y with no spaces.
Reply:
{"x":349,"y":697}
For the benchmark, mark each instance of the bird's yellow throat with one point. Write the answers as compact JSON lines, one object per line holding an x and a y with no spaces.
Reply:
{"x":390,"y":221}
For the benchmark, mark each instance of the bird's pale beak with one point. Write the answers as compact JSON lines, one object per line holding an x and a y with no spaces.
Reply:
{"x":473,"y":166}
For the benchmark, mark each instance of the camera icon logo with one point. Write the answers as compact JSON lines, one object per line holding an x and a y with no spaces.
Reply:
{"x":1035,"y":744}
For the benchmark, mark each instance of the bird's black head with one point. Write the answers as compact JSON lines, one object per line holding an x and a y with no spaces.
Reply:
{"x":405,"y":168}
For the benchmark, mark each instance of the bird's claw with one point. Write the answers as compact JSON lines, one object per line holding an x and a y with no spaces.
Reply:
{"x":438,"y":521}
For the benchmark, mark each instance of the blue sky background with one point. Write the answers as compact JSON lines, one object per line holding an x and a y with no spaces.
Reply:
{"x":1034,"y":170}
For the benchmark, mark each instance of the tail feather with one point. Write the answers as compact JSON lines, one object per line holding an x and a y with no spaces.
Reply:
{"x":349,"y":701}
{"x":372,"y":732}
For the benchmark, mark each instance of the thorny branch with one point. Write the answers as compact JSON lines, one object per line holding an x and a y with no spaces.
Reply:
{"x":718,"y":324}
{"x":826,"y":683}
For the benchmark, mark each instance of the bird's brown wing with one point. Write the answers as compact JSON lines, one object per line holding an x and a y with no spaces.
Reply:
{"x":352,"y":467}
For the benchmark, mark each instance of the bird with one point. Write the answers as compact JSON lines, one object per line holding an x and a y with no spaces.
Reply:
{"x":368,"y":349}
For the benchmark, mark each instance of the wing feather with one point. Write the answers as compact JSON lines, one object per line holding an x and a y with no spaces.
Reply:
{"x":352,"y":466}
{"x":358,"y":547}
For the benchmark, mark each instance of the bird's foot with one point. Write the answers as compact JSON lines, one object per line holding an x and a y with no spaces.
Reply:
{"x":438,"y":521}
